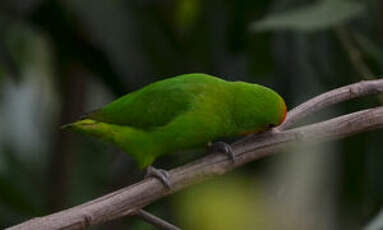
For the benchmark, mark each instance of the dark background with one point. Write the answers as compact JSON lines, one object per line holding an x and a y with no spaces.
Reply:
{"x":61,"y":58}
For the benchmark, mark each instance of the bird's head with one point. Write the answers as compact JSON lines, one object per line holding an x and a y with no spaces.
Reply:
{"x":257,"y":108}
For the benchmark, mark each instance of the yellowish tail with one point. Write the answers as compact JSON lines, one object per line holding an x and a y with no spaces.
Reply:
{"x":137,"y":143}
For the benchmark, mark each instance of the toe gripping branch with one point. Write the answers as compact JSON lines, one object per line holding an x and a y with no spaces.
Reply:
{"x":160,"y":174}
{"x":222,"y":147}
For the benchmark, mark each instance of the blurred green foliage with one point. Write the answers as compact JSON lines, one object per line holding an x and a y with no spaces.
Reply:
{"x":233,"y":202}
{"x":59,"y":59}
{"x":320,"y":15}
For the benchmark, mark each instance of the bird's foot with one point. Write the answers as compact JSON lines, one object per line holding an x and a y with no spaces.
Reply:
{"x":160,"y":174}
{"x":222,"y":147}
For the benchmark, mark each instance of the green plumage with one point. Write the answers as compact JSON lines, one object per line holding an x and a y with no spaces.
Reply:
{"x":183,"y":112}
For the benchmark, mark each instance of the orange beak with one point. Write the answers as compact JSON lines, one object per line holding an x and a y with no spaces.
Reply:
{"x":284,"y":114}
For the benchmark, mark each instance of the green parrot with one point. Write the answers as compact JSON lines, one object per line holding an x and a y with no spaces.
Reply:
{"x":183,"y":112}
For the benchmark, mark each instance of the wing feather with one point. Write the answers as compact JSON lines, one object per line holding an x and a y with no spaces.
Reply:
{"x":155,"y":105}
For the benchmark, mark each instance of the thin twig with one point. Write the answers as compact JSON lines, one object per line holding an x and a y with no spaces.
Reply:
{"x":126,"y":201}
{"x":148,"y":217}
{"x":353,"y":52}
{"x":352,"y":48}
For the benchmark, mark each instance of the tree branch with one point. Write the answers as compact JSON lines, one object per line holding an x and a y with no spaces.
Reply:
{"x":332,"y":97}
{"x":127,"y":201}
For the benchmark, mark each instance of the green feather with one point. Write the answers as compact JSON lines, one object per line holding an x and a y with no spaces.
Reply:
{"x":182,"y":112}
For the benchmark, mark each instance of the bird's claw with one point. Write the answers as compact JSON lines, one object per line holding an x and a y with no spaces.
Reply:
{"x":160,"y":174}
{"x":222,"y":147}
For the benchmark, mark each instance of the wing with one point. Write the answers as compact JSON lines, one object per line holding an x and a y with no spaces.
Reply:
{"x":154,"y":105}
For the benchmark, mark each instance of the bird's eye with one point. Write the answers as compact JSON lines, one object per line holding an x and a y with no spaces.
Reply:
{"x":271,"y":126}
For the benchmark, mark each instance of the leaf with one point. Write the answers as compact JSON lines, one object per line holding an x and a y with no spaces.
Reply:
{"x":318,"y":16}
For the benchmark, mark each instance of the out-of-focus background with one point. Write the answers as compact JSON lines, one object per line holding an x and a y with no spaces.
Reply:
{"x":61,"y":58}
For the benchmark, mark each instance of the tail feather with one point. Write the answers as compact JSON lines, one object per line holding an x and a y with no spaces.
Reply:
{"x":67,"y":126}
{"x":137,"y":143}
